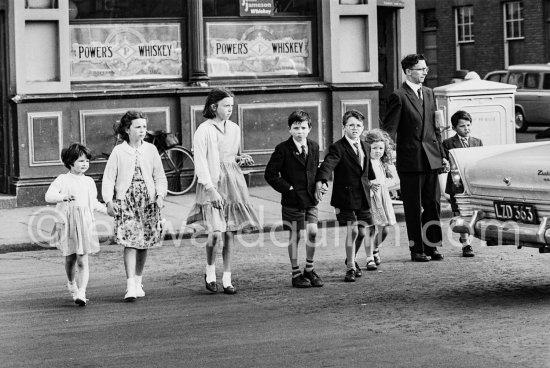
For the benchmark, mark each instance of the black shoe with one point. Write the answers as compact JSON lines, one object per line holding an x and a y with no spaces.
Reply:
{"x":350,"y":276}
{"x":211,"y":286}
{"x":434,"y":254}
{"x":229,"y":290}
{"x":419,"y":257}
{"x":467,"y":251}
{"x":313,"y":278}
{"x":358,"y":271}
{"x":300,"y":282}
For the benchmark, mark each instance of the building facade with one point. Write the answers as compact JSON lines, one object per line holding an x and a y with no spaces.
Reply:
{"x":71,"y":68}
{"x":481,"y":35}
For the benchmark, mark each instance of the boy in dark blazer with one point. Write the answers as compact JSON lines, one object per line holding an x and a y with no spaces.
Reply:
{"x":461,"y":122}
{"x":291,"y":171}
{"x":349,"y":159}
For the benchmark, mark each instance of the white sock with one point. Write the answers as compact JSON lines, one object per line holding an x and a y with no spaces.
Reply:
{"x":130,"y":283}
{"x":138,"y":279}
{"x":210,"y":273}
{"x":226,"y":279}
{"x":72,"y":283}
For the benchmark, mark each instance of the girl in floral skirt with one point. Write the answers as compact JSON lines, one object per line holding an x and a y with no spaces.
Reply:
{"x":75,"y":233}
{"x":134,"y":187}
{"x":222,"y":203}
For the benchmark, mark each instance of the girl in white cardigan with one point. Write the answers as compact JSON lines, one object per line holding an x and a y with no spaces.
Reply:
{"x":75,"y":232}
{"x":134,"y":186}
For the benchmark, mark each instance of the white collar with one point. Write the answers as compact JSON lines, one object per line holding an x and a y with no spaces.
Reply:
{"x":414,"y":87}
{"x":299,"y":145}
{"x":353,"y":142}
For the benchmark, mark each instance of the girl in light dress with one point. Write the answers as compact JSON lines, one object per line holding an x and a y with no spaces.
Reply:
{"x":222,"y":204}
{"x":134,"y":187}
{"x":75,"y":232}
{"x":381,"y":146}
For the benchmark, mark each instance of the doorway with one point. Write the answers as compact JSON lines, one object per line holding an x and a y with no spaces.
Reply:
{"x":4,"y":138}
{"x":387,"y":55}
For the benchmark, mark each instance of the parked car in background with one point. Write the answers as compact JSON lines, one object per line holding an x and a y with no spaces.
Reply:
{"x":532,"y":95}
{"x":496,"y":76}
{"x":504,"y":193}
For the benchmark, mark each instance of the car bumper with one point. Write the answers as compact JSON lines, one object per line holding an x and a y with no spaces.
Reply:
{"x":497,"y":232}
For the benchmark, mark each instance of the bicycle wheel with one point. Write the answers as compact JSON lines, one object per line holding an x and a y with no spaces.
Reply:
{"x":179,"y":167}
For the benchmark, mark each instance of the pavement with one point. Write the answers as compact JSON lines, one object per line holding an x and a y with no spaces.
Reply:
{"x":28,"y":228}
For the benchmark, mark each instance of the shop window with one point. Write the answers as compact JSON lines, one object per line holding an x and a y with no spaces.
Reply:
{"x":282,"y":42}
{"x":107,"y":9}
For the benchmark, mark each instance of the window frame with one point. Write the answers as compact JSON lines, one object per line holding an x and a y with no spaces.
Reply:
{"x":520,"y":20}
{"x":462,"y":24}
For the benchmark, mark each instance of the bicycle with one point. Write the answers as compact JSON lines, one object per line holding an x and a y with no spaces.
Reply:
{"x":177,"y":161}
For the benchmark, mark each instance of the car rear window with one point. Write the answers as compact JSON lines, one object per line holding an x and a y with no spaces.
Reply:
{"x":546,"y":81}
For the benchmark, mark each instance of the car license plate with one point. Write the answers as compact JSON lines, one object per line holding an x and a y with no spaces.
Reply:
{"x":516,"y":211}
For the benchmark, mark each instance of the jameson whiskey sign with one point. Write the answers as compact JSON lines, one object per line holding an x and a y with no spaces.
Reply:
{"x":125,"y":52}
{"x":259,"y":48}
{"x":256,"y":8}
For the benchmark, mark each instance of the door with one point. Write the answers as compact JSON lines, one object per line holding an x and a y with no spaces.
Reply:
{"x":4,"y":140}
{"x":387,"y":55}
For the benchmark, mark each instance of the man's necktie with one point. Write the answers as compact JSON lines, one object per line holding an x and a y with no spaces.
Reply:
{"x":356,"y":145}
{"x":303,"y":153}
{"x":420,"y":93}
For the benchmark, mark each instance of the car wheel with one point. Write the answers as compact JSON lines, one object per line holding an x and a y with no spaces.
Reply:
{"x":521,"y":124}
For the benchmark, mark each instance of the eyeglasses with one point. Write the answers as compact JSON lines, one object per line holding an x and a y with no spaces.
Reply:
{"x":426,"y":69}
{"x":354,"y":126}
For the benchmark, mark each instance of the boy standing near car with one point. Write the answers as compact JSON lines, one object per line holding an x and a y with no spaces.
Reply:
{"x":462,"y":123}
{"x":349,"y":159}
{"x":291,"y":171}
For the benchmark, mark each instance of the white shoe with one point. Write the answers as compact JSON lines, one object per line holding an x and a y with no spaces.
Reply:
{"x":139,"y":291}
{"x":73,"y":289}
{"x":130,"y":291}
{"x":80,"y":298}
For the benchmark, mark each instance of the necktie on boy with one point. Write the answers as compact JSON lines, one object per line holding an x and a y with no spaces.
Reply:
{"x":303,"y":153}
{"x":465,"y":143}
{"x":356,"y":145}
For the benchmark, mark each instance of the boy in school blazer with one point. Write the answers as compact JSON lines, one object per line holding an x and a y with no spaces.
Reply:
{"x":461,"y":122}
{"x":291,"y":171}
{"x":349,"y":159}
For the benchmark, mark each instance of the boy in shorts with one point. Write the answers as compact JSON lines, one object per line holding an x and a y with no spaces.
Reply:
{"x":291,"y":171}
{"x":349,"y":159}
{"x":462,"y":125}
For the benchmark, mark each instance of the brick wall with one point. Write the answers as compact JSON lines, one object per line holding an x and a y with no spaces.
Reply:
{"x":488,"y":34}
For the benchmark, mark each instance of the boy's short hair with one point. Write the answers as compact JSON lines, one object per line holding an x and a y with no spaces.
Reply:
{"x":460,"y":115}
{"x":70,"y":154}
{"x":411,"y":60}
{"x":298,"y":116}
{"x":352,"y":114}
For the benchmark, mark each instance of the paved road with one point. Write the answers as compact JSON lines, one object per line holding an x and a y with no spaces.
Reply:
{"x":489,"y":311}
{"x":529,"y":135}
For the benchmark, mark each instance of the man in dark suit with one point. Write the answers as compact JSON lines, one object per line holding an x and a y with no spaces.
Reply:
{"x":410,"y":121}
{"x":291,"y":171}
{"x":349,"y":159}
{"x":461,"y":122}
